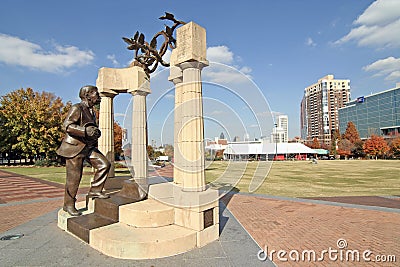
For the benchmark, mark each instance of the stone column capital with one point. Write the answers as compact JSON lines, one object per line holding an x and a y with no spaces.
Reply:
{"x":175,"y":75}
{"x":139,"y":92}
{"x":108,"y":94}
{"x":193,"y":65}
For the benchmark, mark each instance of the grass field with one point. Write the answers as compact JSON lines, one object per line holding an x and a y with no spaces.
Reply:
{"x":57,"y":174}
{"x":286,"y":178}
{"x":327,"y":178}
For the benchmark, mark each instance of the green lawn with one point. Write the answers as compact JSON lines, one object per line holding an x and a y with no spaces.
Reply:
{"x":286,"y":178}
{"x":327,"y":178}
{"x":57,"y":174}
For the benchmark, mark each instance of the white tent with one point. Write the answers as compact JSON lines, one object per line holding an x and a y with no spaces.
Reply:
{"x":244,"y":149}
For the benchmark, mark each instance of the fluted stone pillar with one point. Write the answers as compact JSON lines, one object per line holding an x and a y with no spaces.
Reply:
{"x":190,"y":57}
{"x":139,"y":135}
{"x":191,"y":134}
{"x":106,"y":126}
{"x":139,"y":157}
{"x":177,"y":79}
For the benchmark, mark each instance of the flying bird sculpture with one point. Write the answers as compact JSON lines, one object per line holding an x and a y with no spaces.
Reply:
{"x":148,"y":56}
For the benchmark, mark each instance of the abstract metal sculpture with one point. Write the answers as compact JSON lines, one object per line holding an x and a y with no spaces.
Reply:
{"x":147,"y":55}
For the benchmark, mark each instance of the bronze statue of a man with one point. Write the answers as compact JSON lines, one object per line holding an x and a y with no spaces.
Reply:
{"x":80,"y":143}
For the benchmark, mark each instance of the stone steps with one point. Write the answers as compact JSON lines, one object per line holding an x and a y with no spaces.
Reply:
{"x":106,"y":212}
{"x":148,"y":213}
{"x":157,"y":227}
{"x":126,"y":242}
{"x":82,"y":225}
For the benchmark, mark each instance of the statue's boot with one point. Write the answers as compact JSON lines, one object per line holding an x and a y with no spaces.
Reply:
{"x":95,"y":192}
{"x":72,"y":210}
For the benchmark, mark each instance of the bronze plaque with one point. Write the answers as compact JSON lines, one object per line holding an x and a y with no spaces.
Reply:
{"x":208,"y":218}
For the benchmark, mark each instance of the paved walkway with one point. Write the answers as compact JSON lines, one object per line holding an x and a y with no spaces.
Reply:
{"x":294,"y":226}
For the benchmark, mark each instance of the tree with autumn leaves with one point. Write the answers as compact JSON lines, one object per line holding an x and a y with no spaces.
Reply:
{"x":31,"y":123}
{"x":376,"y":146}
{"x":395,"y":147}
{"x":350,"y":144}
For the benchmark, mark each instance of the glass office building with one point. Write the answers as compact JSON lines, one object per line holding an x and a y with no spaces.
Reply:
{"x":374,"y":114}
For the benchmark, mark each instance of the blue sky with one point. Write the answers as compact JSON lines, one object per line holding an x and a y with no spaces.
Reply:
{"x":281,"y":46}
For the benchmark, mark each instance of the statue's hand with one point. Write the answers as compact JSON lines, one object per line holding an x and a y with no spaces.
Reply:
{"x":93,"y":132}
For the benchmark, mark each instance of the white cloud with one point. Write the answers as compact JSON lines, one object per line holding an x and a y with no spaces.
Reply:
{"x":310,"y":42}
{"x":220,"y":54}
{"x":225,"y":70}
{"x":377,"y":26}
{"x":15,"y":51}
{"x":113,"y":60}
{"x":389,"y":67}
{"x":246,"y":70}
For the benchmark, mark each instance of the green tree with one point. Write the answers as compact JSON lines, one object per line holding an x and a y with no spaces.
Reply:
{"x":32,"y":122}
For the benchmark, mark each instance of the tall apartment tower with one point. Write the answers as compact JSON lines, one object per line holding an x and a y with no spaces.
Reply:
{"x":280,"y":131}
{"x":319,"y":115}
{"x":283,"y":124}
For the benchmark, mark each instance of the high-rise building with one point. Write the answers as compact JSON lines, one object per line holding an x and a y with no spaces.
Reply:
{"x":377,"y":114}
{"x":280,"y":131}
{"x":319,"y":109}
{"x":284,"y":125}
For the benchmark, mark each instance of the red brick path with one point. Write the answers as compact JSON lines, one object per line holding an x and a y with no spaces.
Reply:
{"x":278,"y":224}
{"x":289,"y":225}
{"x":18,"y":188}
{"x":14,"y":187}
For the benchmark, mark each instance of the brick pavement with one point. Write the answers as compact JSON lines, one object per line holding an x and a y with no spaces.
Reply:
{"x":14,"y":215}
{"x":15,"y":187}
{"x":278,"y":224}
{"x":292,"y":225}
{"x":24,"y":198}
{"x":365,"y":200}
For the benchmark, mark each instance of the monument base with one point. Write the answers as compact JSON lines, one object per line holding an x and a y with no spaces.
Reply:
{"x":169,"y":222}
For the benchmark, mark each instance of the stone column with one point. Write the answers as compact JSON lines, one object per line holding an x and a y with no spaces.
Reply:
{"x":139,"y":157}
{"x":106,"y":126}
{"x":190,"y":57}
{"x":177,"y":79}
{"x":191,"y":134}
